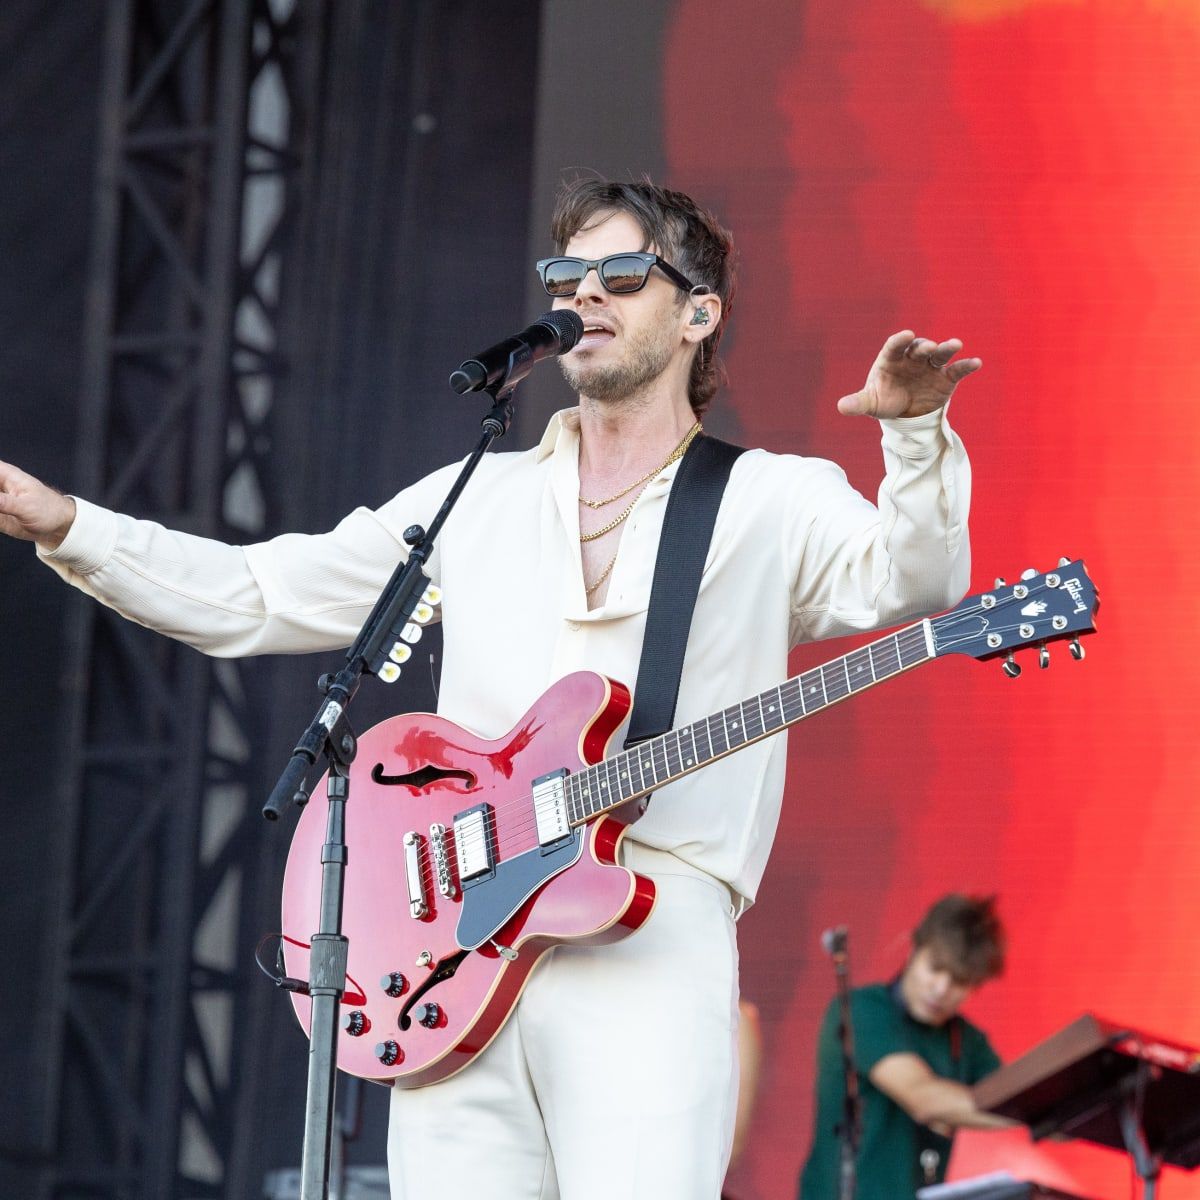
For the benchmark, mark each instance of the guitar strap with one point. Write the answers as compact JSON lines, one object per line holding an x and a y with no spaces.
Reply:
{"x":682,"y":548}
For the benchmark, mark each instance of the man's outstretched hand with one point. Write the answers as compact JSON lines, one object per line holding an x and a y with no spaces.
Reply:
{"x":31,"y":510}
{"x":912,"y":376}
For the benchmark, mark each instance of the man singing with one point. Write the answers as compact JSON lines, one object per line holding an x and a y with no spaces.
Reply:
{"x":614,"y":1078}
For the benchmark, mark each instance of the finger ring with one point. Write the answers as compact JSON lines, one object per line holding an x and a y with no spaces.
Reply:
{"x":936,"y":363}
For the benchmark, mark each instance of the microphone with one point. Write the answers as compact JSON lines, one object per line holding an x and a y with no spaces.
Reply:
{"x":509,"y":361}
{"x":834,"y":941}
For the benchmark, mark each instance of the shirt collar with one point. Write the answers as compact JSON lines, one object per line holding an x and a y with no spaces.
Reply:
{"x":565,"y":421}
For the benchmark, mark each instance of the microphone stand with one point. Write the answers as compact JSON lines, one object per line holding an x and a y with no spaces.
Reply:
{"x":849,"y":1128}
{"x":376,"y":650}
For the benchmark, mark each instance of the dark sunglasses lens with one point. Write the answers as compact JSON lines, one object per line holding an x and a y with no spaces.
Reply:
{"x":563,"y":277}
{"x":623,"y":274}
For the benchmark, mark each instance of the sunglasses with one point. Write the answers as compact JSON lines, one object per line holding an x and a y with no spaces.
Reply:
{"x":619,"y":273}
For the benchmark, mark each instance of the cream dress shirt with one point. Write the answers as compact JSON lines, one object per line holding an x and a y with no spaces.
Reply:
{"x":797,"y":554}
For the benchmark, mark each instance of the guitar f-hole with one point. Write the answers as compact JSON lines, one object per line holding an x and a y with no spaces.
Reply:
{"x":422,"y":778}
{"x":443,"y":971}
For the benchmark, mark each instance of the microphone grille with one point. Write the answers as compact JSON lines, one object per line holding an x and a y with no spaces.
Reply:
{"x":566,"y":324}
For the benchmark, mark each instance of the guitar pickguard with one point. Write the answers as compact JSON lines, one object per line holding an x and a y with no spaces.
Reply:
{"x":487,"y":904}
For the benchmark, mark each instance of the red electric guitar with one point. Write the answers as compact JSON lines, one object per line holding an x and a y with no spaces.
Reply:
{"x":469,"y":858}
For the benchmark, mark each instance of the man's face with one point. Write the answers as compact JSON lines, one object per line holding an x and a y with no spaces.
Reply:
{"x":628,"y":340}
{"x":931,"y":990}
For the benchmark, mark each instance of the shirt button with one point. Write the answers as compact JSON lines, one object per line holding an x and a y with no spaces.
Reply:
{"x":574,"y":626}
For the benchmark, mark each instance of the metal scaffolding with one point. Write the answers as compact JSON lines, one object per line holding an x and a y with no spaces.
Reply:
{"x":150,"y":1033}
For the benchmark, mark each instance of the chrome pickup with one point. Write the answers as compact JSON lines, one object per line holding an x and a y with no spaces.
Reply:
{"x":418,"y":905}
{"x":550,"y":808}
{"x":473,"y":843}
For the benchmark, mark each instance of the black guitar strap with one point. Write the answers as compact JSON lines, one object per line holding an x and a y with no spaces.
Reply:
{"x":686,"y":533}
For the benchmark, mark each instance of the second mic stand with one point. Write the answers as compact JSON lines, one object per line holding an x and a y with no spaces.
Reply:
{"x":849,"y":1128}
{"x":376,"y":650}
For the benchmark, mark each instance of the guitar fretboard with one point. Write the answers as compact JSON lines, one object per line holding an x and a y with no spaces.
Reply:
{"x":658,"y":761}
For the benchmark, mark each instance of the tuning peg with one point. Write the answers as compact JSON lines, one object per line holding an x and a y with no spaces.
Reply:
{"x":1043,"y":655}
{"x":1063,"y":562}
{"x":999,"y":582}
{"x":1029,"y":573}
{"x":1077,"y":650}
{"x":1012,"y":668}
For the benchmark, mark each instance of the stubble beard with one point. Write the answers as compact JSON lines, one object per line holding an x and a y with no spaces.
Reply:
{"x":646,"y":360}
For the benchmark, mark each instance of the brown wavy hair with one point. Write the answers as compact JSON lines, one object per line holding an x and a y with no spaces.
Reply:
{"x":968,"y":930}
{"x":686,"y":235}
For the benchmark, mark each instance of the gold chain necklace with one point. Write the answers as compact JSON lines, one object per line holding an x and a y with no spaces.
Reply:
{"x":589,"y":588}
{"x":678,"y":452}
{"x":674,"y":456}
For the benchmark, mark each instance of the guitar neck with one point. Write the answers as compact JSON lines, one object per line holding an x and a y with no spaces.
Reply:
{"x":661,"y":760}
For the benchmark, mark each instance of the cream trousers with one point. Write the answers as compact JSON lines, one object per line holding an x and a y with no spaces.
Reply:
{"x":615,"y":1078}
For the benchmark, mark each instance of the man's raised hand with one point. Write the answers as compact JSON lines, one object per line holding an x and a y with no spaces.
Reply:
{"x":912,"y":376}
{"x":31,"y":510}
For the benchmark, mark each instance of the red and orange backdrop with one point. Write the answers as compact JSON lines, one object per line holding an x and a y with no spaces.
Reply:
{"x":1023,"y":174}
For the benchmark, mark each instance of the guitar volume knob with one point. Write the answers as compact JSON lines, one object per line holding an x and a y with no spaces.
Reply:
{"x":389,"y":1052}
{"x":356,"y":1022}
{"x":428,"y":1014}
{"x":394,"y":984}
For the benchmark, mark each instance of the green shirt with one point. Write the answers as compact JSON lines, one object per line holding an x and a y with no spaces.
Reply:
{"x":889,"y":1154}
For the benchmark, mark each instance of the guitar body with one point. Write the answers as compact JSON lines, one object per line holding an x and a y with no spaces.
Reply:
{"x":469,"y":859}
{"x":454,"y":950}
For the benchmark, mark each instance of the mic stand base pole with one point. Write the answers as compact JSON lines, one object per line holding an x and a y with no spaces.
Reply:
{"x":327,"y":982}
{"x":330,"y":734}
{"x":850,"y":1127}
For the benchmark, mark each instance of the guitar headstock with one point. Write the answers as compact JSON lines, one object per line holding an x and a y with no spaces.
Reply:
{"x":1038,"y":609}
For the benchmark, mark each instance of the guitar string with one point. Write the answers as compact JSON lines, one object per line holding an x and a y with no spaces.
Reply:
{"x":905,"y":640}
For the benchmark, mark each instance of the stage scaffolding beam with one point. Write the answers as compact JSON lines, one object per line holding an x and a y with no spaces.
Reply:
{"x":150,"y":1032}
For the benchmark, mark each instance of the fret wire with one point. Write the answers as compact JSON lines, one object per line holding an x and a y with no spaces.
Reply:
{"x":625,"y":780}
{"x":846,"y":669}
{"x":871,"y":664}
{"x":672,"y":766}
{"x":692,"y":758}
{"x":648,"y":762}
{"x":659,"y":758}
{"x":736,"y":726}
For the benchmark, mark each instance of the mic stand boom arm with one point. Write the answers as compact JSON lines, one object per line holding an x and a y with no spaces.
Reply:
{"x":330,"y":735}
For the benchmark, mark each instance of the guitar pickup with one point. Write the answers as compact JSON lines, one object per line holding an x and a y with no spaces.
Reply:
{"x":475,"y":844}
{"x":550,"y":809}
